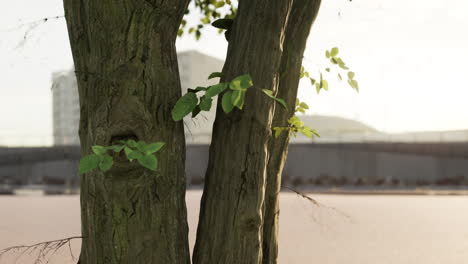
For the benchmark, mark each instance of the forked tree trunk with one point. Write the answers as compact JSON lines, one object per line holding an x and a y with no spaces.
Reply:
{"x":231,"y":219}
{"x":126,"y":66}
{"x":128,"y":82}
{"x":301,"y":18}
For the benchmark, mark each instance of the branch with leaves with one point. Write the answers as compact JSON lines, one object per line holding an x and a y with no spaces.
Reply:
{"x":218,"y":12}
{"x":296,"y":125}
{"x":233,"y":96}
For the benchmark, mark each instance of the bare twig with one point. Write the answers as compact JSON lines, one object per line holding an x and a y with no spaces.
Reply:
{"x":44,"y":249}
{"x":33,"y":23}
{"x":316,"y":203}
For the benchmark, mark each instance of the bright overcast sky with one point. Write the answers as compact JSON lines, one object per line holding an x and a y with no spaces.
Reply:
{"x":409,"y":57}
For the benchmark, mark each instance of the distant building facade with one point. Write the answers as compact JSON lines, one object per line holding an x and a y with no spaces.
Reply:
{"x":194,"y":68}
{"x":65,"y":109}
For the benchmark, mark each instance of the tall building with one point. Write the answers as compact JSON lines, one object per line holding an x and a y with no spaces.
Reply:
{"x":65,"y":108}
{"x":194,"y":68}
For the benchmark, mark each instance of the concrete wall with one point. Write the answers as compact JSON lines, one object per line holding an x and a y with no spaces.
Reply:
{"x":330,"y":164}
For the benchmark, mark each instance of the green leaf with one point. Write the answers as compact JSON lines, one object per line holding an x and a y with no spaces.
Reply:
{"x":141,"y":145}
{"x":268,"y":92}
{"x":339,"y":77}
{"x":116,"y":148}
{"x":295,"y":122}
{"x":88,"y":163}
{"x":325,"y":85}
{"x":282,"y":102}
{"x":99,"y":150}
{"x":307,"y":132}
{"x":223,"y":23}
{"x":153,"y":147}
{"x":219,"y":4}
{"x":127,"y":151}
{"x":315,"y":132}
{"x":327,"y":69}
{"x":341,"y":64}
{"x":354,"y":84}
{"x":334,"y":52}
{"x":312,"y":81}
{"x":216,"y":75}
{"x":205,"y":103}
{"x":317,"y":87}
{"x":241,"y":82}
{"x":327,"y":54}
{"x":351,"y":75}
{"x":216,"y":89}
{"x":148,"y":161}
{"x":134,"y":155}
{"x":106,"y":163}
{"x":238,"y":98}
{"x":279,"y":100}
{"x":205,"y":20}
{"x":278,"y":130}
{"x":226,"y":102}
{"x":184,"y":106}
{"x":304,"y":105}
{"x":131,"y":143}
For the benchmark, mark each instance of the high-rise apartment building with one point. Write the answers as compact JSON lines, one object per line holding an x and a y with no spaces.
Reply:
{"x":194,"y":68}
{"x":65,"y":108}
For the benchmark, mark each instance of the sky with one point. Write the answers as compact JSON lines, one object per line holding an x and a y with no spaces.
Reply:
{"x":409,"y":58}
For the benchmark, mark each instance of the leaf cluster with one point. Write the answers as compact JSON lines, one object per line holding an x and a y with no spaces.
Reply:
{"x":296,"y":125}
{"x":233,"y":96}
{"x":335,"y":60}
{"x":210,"y":11}
{"x":101,"y":159}
{"x":322,"y":83}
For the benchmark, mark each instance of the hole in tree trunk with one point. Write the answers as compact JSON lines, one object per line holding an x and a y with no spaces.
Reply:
{"x":115,"y":140}
{"x":120,"y":157}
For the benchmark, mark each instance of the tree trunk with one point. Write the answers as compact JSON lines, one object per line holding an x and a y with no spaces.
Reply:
{"x":126,"y":66}
{"x":231,"y":219}
{"x":301,"y":18}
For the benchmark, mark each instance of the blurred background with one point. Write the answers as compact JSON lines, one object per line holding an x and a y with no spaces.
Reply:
{"x":404,"y":134}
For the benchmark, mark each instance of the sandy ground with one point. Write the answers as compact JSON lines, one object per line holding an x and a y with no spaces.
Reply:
{"x":348,"y":229}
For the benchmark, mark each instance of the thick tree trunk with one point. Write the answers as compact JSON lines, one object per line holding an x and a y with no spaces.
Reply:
{"x":230,"y":225}
{"x":301,"y":18}
{"x":126,"y":66}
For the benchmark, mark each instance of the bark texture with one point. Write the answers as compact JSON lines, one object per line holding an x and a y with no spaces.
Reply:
{"x":301,"y":18}
{"x":126,"y":66}
{"x":231,"y":219}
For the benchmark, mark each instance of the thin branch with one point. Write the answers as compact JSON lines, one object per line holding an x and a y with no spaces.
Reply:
{"x":45,"y":249}
{"x":33,"y":23}
{"x":316,"y":203}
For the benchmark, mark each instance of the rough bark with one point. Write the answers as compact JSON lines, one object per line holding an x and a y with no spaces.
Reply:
{"x":301,"y":18}
{"x":230,"y":224}
{"x":126,"y":66}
